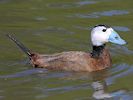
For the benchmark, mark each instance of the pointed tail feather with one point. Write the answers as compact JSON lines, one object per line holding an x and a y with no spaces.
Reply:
{"x":20,"y":45}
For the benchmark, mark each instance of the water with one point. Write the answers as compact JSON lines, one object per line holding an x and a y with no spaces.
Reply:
{"x":49,"y":26}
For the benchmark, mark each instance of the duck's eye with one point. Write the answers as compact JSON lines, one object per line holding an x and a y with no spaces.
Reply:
{"x":104,"y":30}
{"x":116,"y":37}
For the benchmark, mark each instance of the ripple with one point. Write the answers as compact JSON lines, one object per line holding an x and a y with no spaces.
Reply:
{"x":100,"y":14}
{"x":4,"y":1}
{"x":121,"y":28}
{"x":82,"y":3}
{"x":118,"y":28}
{"x":40,"y":18}
{"x":118,"y":50}
{"x":61,"y":89}
{"x":119,"y":71}
{"x":81,"y":27}
{"x":68,"y":88}
{"x":51,"y":29}
{"x":114,"y":12}
{"x":70,"y":4}
{"x":100,"y":93}
{"x":54,"y":75}
{"x":100,"y":87}
{"x":24,"y":73}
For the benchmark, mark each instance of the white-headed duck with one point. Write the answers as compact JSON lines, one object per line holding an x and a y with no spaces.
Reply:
{"x":78,"y":61}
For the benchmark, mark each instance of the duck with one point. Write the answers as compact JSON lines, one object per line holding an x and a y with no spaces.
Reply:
{"x":78,"y":61}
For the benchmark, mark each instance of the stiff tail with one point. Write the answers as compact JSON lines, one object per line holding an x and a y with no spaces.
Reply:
{"x":20,"y":45}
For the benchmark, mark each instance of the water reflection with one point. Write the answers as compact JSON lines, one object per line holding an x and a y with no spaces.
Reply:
{"x":70,"y":4}
{"x":99,"y":82}
{"x":118,"y":28}
{"x":23,"y":73}
{"x":50,"y":29}
{"x":119,"y":71}
{"x":4,"y":1}
{"x":121,"y":28}
{"x":119,"y":50}
{"x":100,"y":89}
{"x":40,"y":18}
{"x":100,"y":14}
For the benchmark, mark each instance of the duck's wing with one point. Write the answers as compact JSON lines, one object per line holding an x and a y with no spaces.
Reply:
{"x":70,"y":61}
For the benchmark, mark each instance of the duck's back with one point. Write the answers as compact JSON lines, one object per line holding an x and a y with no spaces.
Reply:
{"x":72,"y":61}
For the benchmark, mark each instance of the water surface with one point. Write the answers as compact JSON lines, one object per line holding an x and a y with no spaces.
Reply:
{"x":49,"y":26}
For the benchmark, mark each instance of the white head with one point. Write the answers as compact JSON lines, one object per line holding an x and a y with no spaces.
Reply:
{"x":101,"y":34}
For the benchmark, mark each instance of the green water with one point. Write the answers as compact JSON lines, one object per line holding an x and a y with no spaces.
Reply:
{"x":50,"y":26}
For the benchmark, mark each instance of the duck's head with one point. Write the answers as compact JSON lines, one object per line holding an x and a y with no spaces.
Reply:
{"x":102,"y":34}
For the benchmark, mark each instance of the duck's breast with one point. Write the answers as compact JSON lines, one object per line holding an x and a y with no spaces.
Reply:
{"x":102,"y":62}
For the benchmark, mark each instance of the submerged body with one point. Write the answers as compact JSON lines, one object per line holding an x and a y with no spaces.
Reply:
{"x":72,"y":61}
{"x":97,"y":60}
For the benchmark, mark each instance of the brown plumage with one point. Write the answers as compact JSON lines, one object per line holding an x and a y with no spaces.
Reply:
{"x":97,"y":60}
{"x":72,"y":61}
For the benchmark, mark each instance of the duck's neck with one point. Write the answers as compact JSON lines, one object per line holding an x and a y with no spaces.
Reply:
{"x":97,"y":51}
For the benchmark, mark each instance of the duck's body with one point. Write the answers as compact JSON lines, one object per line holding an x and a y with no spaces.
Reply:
{"x":98,"y":59}
{"x":73,"y":61}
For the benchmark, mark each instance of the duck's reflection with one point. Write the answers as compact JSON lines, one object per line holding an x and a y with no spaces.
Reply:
{"x":100,"y":92}
{"x":100,"y":86}
{"x":100,"y":82}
